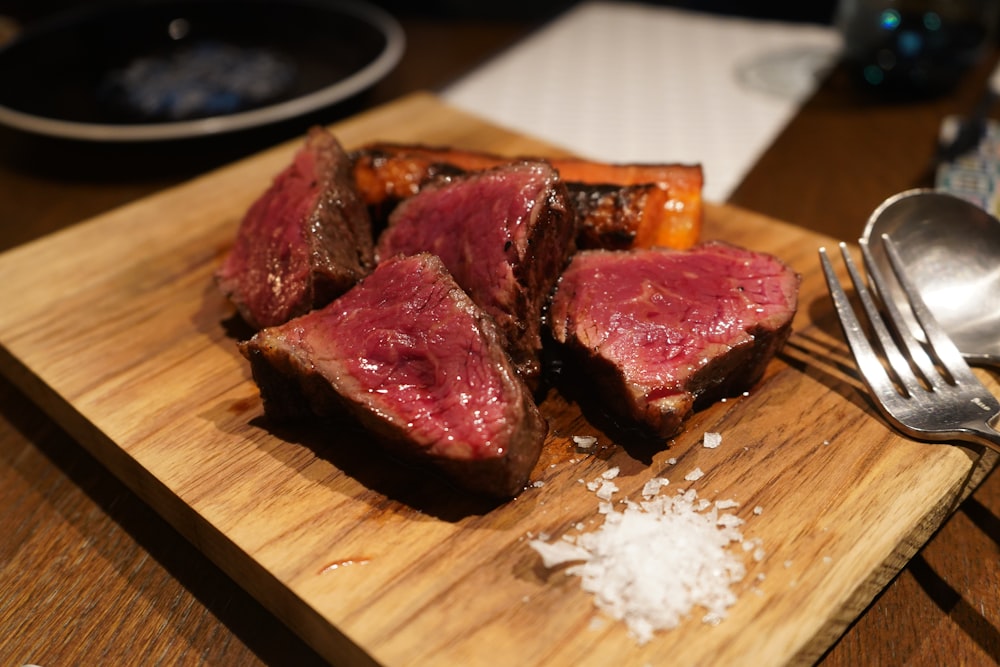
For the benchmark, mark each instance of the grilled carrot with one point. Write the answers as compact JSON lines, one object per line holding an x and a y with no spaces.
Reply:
{"x":619,"y":205}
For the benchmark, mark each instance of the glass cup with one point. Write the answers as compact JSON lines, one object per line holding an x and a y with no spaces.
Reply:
{"x":914,"y":48}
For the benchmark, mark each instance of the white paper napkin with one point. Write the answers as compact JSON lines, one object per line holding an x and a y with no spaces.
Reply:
{"x":630,"y":82}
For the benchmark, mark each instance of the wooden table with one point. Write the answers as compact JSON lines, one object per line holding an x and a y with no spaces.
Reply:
{"x":89,"y":573}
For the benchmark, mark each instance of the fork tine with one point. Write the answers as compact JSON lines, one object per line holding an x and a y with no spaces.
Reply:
{"x":901,"y":368}
{"x":872,"y":371}
{"x":943,"y":348}
{"x":915,"y":351}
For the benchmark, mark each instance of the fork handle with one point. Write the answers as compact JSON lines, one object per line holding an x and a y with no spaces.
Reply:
{"x":983,"y":434}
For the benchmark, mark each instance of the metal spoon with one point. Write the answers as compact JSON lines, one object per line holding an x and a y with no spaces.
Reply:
{"x":951,"y":249}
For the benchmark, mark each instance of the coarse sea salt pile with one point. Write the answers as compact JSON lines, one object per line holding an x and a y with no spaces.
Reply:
{"x":655,"y":560}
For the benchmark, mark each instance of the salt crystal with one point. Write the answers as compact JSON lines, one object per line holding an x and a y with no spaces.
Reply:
{"x":606,"y":490}
{"x":695,"y":474}
{"x":558,"y":552}
{"x":610,"y":473}
{"x":653,"y":486}
{"x":757,"y":510}
{"x":711,"y":619}
{"x":712,"y":440}
{"x":726,"y":504}
{"x":584,"y":441}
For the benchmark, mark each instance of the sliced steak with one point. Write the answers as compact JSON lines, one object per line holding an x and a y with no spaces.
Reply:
{"x":414,"y":360}
{"x":661,"y":329}
{"x":505,"y":234}
{"x":306,"y":240}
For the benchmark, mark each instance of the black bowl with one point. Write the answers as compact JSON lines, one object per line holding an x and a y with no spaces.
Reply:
{"x":168,"y":69}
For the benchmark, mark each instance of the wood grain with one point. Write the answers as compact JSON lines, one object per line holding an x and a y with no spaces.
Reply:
{"x":127,"y":345}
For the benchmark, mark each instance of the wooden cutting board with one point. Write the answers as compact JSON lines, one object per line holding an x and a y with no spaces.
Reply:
{"x":115,"y":328}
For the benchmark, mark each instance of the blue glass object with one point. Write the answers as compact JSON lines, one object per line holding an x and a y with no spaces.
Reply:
{"x":913,"y":48}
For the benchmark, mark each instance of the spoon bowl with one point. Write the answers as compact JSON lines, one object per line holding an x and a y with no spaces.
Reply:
{"x":951,"y":250}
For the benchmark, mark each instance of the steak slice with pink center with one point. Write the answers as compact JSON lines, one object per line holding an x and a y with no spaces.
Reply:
{"x":661,"y":329}
{"x":306,"y":240}
{"x":415,"y":361}
{"x":505,"y":235}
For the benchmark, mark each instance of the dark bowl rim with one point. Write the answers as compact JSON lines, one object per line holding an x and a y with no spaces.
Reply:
{"x":340,"y":90}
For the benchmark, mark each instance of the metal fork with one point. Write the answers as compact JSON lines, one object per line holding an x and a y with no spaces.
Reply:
{"x":926,"y":390}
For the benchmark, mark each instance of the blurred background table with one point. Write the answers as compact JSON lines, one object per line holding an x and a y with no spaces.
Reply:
{"x":89,"y":574}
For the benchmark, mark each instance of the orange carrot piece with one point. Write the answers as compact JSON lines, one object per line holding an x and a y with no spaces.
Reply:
{"x":656,"y":205}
